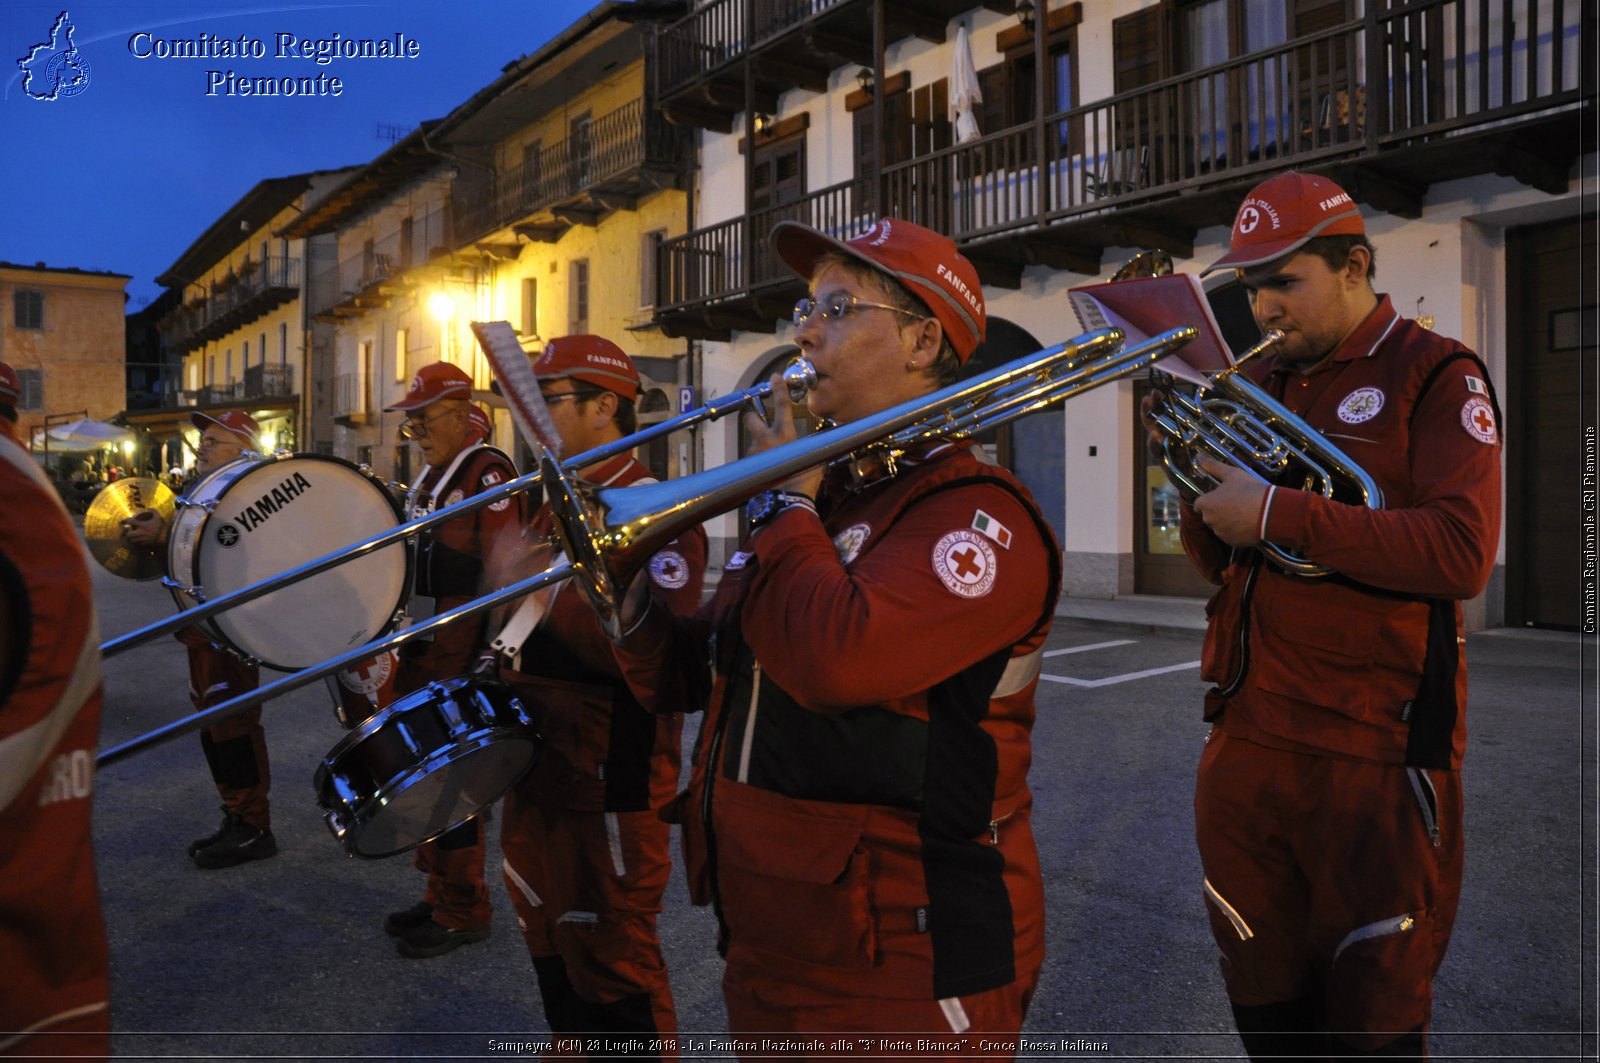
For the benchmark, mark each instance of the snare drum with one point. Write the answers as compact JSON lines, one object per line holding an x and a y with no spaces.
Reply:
{"x":255,"y":518}
{"x":428,"y":762}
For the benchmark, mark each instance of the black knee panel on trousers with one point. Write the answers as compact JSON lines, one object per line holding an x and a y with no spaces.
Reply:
{"x":1290,"y":1029}
{"x":232,"y":761}
{"x":463,"y":837}
{"x":567,"y":1012}
{"x":1407,"y":1046}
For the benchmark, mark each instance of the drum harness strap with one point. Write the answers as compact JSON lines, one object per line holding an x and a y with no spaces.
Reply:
{"x":416,"y":508}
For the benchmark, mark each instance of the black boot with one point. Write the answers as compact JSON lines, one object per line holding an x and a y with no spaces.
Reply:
{"x":236,"y":843}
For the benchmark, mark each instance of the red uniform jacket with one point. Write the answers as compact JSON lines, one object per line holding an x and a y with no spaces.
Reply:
{"x":859,"y":811}
{"x":451,"y":559}
{"x":1336,"y":665}
{"x":52,"y":936}
{"x":601,"y":751}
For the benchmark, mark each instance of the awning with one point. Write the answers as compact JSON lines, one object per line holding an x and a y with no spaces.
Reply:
{"x":84,"y":435}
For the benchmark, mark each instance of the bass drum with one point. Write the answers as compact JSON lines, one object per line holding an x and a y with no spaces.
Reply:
{"x":255,"y":518}
{"x":428,"y":762}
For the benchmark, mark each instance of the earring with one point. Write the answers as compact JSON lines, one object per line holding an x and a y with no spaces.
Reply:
{"x":911,"y":364}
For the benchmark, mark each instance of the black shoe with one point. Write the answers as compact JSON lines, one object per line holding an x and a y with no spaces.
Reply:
{"x":401,"y":923}
{"x":431,"y":939}
{"x":236,"y":843}
{"x":200,"y":843}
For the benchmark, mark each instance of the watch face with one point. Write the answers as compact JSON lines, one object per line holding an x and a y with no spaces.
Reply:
{"x":760,"y":507}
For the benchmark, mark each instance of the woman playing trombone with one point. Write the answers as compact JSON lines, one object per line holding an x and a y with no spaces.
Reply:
{"x":859,"y":812}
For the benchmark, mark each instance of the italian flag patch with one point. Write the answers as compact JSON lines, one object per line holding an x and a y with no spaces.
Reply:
{"x":982,"y":522}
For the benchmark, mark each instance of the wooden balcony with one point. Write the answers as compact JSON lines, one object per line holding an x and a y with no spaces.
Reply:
{"x":373,"y":275}
{"x":700,"y":74}
{"x":1386,"y":105}
{"x":627,"y":154}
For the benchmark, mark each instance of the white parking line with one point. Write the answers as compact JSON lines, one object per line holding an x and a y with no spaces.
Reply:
{"x":1092,"y":646}
{"x":1112,"y":680}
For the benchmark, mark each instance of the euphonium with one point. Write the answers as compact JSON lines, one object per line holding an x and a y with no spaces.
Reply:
{"x":1234,"y":420}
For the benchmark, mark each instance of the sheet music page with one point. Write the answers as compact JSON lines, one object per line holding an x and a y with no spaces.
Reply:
{"x":1145,"y":306}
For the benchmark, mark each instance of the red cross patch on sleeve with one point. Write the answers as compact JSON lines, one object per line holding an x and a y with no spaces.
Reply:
{"x":965,"y":563}
{"x":1477,"y":417}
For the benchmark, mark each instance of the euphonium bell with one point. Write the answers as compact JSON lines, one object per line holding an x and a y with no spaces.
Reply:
{"x":1235,"y":421}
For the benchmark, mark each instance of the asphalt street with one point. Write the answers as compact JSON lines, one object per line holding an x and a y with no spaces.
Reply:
{"x":286,"y":958}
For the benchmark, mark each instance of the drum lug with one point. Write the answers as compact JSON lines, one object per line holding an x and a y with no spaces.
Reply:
{"x":445,"y":702}
{"x":196,"y":593}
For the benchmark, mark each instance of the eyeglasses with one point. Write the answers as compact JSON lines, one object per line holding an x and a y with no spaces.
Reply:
{"x":417,"y":427}
{"x":551,"y":398}
{"x":837,"y":304}
{"x":207,"y":442}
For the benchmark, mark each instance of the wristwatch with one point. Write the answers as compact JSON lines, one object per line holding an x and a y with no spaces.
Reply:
{"x":768,"y":504}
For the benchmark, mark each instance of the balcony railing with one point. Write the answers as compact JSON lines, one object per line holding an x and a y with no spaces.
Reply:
{"x":350,"y":401}
{"x":389,"y":256}
{"x":719,"y":32}
{"x":617,"y":143}
{"x":232,"y":301}
{"x":1420,"y":77}
{"x":261,"y":383}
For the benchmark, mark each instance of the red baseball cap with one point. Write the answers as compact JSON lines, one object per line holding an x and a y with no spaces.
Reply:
{"x":238,"y":422}
{"x":479,"y":421}
{"x":10,"y":385}
{"x":1281,"y":213}
{"x":927,"y":263}
{"x":591,"y":359}
{"x":435,"y":381}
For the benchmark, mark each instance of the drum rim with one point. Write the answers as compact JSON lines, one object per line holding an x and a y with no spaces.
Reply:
{"x":385,"y":794}
{"x":214,"y":630}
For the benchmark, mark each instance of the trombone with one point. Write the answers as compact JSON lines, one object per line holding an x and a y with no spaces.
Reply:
{"x":609,"y":533}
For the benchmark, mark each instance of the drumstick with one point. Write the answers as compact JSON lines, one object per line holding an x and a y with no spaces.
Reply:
{"x":518,"y":384}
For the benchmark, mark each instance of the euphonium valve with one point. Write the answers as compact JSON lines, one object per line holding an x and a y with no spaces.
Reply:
{"x":1235,"y":421}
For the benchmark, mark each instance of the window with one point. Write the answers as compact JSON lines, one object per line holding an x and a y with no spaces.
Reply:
{"x":227,"y":366}
{"x":28,"y":308}
{"x":1010,"y":87}
{"x":246,"y":355}
{"x":402,"y":345}
{"x":580,"y":149}
{"x":532,"y":172}
{"x":262,"y":347}
{"x":364,"y":380}
{"x":283,"y":344}
{"x":32,"y":389}
{"x":530,"y":306}
{"x":578,"y":297}
{"x":406,"y":238}
{"x":649,"y":247}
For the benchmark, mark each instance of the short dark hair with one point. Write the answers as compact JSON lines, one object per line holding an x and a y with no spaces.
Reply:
{"x":1335,"y":251}
{"x":8,"y":411}
{"x":627,"y":416}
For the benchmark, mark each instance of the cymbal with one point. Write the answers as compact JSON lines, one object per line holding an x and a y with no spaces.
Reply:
{"x":102,"y":526}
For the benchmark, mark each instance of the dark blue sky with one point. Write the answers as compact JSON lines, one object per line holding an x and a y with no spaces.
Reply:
{"x":127,"y":172}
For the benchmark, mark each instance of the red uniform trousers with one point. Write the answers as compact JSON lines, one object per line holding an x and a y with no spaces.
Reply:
{"x":587,"y":887}
{"x":760,"y":1003}
{"x":453,"y":862}
{"x":235,"y":748}
{"x":1329,"y":879}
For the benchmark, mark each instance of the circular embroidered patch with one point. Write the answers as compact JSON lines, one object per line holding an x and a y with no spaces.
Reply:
{"x":1360,"y":405}
{"x":965,"y":562}
{"x":1477,"y":417}
{"x":669,"y":570}
{"x":490,"y":478}
{"x":368,"y":677}
{"x":850,"y":541}
{"x":453,"y":497}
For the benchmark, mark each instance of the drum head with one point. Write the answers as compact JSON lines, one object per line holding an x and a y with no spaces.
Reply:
{"x":279,"y":514}
{"x":442,"y":794}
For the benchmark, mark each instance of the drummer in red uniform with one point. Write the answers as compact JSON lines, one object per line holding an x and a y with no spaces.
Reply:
{"x":52,"y":935}
{"x":455,"y":908}
{"x":235,"y":747}
{"x":859,"y":813}
{"x":586,"y":851}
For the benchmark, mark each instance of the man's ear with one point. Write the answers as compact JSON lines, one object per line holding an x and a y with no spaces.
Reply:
{"x":1357,"y":264}
{"x":930,"y":337}
{"x":605,"y":407}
